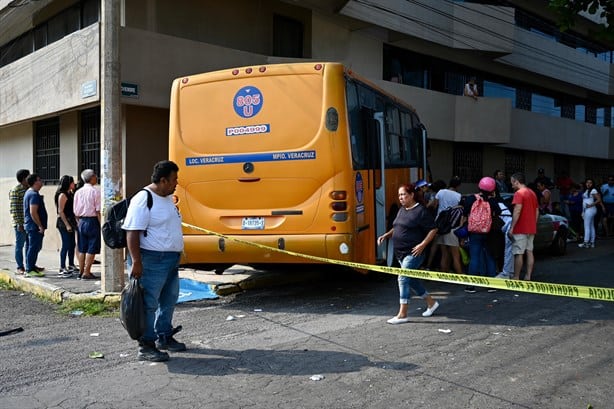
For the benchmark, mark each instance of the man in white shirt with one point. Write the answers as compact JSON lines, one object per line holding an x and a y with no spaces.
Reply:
{"x":155,"y":244}
{"x":448,"y":243}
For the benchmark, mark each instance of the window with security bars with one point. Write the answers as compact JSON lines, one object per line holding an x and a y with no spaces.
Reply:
{"x":523,"y":99}
{"x":591,"y":114}
{"x":90,"y":139}
{"x":598,"y":170}
{"x":514,"y":162}
{"x":47,"y":150}
{"x":467,"y":163}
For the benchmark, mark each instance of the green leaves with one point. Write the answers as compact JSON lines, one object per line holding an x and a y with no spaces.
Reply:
{"x":568,"y":10}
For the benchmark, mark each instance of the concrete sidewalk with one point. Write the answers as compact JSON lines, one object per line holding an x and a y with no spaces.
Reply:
{"x":234,"y":279}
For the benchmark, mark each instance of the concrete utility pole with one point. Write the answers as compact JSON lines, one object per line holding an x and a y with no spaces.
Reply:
{"x":111,"y":138}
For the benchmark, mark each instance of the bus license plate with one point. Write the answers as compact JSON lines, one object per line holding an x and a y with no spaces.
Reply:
{"x":253,"y":223}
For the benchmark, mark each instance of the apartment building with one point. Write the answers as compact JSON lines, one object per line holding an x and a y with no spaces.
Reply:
{"x":546,"y":97}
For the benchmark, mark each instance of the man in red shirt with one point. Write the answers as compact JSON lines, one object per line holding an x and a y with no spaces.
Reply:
{"x":524,"y":225}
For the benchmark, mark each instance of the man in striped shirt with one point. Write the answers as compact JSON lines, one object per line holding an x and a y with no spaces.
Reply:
{"x":16,"y":208}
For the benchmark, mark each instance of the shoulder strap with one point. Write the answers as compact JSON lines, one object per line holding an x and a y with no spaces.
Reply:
{"x":149,"y":197}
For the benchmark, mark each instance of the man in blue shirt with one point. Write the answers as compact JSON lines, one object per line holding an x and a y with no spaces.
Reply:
{"x":607,"y":196}
{"x":35,"y":223}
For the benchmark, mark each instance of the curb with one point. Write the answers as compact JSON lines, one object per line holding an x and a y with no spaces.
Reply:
{"x":52,"y":292}
{"x":55,"y":294}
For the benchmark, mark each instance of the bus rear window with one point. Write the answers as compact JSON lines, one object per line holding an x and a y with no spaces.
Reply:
{"x":251,"y":114}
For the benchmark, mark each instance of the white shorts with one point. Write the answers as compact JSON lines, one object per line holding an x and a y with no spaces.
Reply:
{"x":522,"y":243}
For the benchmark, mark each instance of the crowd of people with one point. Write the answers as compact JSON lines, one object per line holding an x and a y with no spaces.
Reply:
{"x":499,"y":239}
{"x":154,"y":237}
{"x":78,"y":223}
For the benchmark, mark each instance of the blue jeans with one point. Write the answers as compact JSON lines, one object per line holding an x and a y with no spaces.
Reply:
{"x":68,"y":248}
{"x":35,"y":244}
{"x":481,"y":263}
{"x":160,"y":282}
{"x":407,"y":283}
{"x":21,"y":240}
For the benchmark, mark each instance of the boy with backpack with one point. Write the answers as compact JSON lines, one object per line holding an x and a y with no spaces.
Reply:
{"x":482,"y":212}
{"x":448,"y":210}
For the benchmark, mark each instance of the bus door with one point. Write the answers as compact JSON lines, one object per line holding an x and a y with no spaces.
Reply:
{"x":380,"y":185}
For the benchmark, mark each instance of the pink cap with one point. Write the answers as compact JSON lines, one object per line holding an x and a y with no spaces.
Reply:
{"x":487,"y":184}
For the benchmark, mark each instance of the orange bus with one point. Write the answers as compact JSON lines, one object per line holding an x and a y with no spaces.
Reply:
{"x":306,"y":157}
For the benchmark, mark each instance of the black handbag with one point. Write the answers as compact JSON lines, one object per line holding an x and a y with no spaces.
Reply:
{"x":59,"y":224}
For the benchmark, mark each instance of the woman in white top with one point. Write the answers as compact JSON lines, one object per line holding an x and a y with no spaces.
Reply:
{"x":471,"y":89}
{"x":590,"y":201}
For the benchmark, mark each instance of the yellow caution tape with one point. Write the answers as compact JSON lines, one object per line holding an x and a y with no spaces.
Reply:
{"x":534,"y":287}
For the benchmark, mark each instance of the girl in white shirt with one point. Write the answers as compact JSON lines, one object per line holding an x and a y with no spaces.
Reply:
{"x":590,"y":201}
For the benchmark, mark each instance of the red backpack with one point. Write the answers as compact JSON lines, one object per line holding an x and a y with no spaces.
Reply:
{"x":480,"y":217}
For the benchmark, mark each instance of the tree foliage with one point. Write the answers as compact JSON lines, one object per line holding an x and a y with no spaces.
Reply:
{"x":567,"y":11}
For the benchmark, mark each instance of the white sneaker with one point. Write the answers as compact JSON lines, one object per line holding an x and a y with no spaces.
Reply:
{"x":584,"y":245}
{"x":397,"y":320}
{"x":503,"y":275}
{"x":430,"y":311}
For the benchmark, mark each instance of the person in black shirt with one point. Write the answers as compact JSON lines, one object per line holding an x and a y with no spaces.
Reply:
{"x":412,"y":231}
{"x":482,"y":260}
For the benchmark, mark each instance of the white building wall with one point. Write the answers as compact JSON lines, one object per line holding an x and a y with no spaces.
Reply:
{"x":50,"y":79}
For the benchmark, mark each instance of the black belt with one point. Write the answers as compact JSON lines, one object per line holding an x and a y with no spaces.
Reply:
{"x":88,"y":217}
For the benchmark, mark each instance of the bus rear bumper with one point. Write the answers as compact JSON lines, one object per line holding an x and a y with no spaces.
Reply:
{"x":209,"y":249}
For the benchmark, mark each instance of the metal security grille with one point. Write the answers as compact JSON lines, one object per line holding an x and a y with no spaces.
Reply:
{"x":454,"y":83}
{"x":523,"y":99}
{"x":561,"y":165}
{"x":514,"y":162}
{"x":90,"y":139}
{"x":598,"y":170}
{"x":591,"y":114}
{"x":568,"y":111}
{"x":467,"y":162}
{"x":47,"y":150}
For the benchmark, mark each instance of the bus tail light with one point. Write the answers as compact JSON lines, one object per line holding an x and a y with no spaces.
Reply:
{"x":340,"y":217}
{"x":339,"y":206}
{"x":338,"y":195}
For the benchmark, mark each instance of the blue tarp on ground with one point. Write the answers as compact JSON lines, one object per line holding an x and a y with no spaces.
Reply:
{"x":192,"y":290}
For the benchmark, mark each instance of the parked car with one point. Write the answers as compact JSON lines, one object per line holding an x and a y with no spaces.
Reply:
{"x":552,"y":230}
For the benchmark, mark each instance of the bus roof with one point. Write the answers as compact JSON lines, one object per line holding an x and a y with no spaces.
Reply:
{"x":281,"y":69}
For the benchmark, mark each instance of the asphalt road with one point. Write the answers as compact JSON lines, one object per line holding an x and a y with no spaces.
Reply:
{"x":504,"y":349}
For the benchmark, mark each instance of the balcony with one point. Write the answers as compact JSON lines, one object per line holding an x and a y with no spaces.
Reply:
{"x":61,"y":76}
{"x":494,"y":121}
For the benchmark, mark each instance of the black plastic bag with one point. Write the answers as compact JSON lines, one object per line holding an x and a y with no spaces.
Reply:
{"x":132,"y":309}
